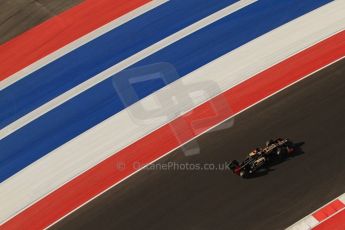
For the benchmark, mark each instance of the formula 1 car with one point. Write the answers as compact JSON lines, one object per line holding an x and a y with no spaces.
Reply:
{"x":275,"y":150}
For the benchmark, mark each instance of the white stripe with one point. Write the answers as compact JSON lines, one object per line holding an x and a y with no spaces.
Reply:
{"x":79,"y":42}
{"x":121,"y":66}
{"x":306,"y":223}
{"x":342,"y":198}
{"x":98,"y":143}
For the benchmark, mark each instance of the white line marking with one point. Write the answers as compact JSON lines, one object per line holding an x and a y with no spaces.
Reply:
{"x":306,"y":223}
{"x":342,"y":198}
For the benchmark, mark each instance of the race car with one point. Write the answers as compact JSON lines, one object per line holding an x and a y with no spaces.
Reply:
{"x":275,"y":150}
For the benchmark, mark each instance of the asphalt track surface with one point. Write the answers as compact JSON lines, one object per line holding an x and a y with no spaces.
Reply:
{"x":311,"y":111}
{"x":17,"y":16}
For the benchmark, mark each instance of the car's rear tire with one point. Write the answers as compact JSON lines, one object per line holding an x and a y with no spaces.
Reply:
{"x":290,"y":144}
{"x":281,"y":152}
{"x":269,"y":142}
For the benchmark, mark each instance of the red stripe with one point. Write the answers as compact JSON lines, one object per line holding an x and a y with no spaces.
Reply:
{"x":336,"y":222}
{"x":328,"y":210}
{"x":104,"y":175}
{"x":60,"y":31}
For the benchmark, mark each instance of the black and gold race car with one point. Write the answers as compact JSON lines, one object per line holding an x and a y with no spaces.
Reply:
{"x":275,"y":150}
